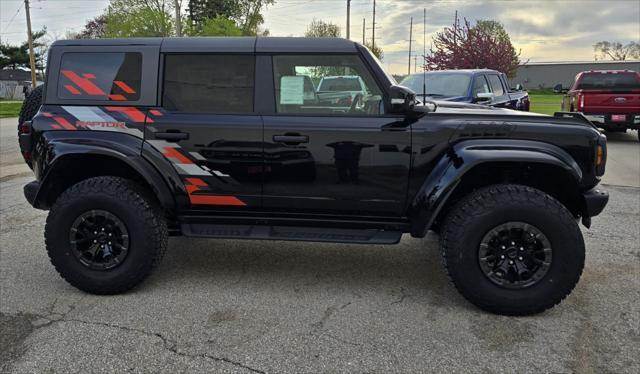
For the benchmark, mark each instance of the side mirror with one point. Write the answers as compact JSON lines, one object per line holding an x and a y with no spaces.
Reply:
{"x":403,"y":100}
{"x":483,"y":96}
{"x":519,"y":87}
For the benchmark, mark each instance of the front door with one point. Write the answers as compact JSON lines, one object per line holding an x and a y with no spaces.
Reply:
{"x":208,"y":130}
{"x":333,"y":150}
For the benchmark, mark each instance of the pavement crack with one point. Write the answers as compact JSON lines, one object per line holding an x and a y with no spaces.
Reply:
{"x":403,"y":296}
{"x":168,"y":344}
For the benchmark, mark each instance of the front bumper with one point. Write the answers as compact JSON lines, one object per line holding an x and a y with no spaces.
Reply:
{"x":594,"y":202}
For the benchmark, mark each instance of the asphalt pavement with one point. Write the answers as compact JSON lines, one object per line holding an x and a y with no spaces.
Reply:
{"x":267,"y":307}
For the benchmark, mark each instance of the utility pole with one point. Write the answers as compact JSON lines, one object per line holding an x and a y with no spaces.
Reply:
{"x":373,"y":33}
{"x":415,"y":63}
{"x":410,"y":37}
{"x":32,"y":58}
{"x":348,"y":19}
{"x":178,"y":20}
{"x":424,"y":38}
{"x":363,"y":23}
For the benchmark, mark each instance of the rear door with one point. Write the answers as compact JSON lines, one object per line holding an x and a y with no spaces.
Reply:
{"x":206,"y":127}
{"x":500,"y":94}
{"x":333,"y":155}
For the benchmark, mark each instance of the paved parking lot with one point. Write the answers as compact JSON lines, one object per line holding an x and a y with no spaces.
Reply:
{"x":234,"y":306}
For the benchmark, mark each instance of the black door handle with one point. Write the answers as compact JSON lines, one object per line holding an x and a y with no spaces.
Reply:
{"x":172,"y":136}
{"x":291,"y":139}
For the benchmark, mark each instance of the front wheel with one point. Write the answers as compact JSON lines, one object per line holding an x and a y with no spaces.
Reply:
{"x":512,"y":249}
{"x":104,"y":235}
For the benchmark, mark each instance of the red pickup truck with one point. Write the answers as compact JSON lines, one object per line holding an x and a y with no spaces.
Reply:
{"x":608,"y":98}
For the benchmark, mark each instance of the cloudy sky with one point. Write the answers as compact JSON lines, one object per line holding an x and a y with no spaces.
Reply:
{"x":544,"y":30}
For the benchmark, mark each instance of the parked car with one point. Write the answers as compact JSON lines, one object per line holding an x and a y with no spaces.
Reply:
{"x":341,"y":89}
{"x":608,"y":98}
{"x":481,"y":86}
{"x":138,"y":139}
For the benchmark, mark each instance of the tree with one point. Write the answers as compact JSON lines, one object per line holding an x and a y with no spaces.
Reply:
{"x":616,"y":50}
{"x":139,"y":18}
{"x":217,"y":26}
{"x":375,"y":49}
{"x":485,"y":45}
{"x":245,"y":13}
{"x":94,"y":29}
{"x":321,"y":29}
{"x":18,"y":56}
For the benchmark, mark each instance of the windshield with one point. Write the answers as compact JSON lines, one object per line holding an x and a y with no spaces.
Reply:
{"x":439,"y":84}
{"x":609,"y":81}
{"x":333,"y":84}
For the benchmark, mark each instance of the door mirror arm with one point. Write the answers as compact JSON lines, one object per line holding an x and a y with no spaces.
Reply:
{"x":402,"y":100}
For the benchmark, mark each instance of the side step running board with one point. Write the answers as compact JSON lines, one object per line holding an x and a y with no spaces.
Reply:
{"x":311,"y":234}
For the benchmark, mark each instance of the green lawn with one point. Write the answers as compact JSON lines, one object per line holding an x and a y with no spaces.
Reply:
{"x":9,"y":108}
{"x":545,"y":103}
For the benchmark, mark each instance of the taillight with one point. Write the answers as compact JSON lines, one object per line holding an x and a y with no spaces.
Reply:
{"x":24,"y":139}
{"x":580,"y":102}
{"x":24,"y":128}
{"x":601,"y":155}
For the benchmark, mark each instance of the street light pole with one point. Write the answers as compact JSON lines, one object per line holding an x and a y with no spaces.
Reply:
{"x":348,"y":19}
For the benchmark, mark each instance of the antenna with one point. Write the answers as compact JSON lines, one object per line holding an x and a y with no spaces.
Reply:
{"x":424,"y":56}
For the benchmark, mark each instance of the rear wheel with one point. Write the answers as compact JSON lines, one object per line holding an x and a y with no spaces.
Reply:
{"x":104,"y":236}
{"x":512,"y":249}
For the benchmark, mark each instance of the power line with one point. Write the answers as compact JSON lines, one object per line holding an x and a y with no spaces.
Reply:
{"x":14,"y":17}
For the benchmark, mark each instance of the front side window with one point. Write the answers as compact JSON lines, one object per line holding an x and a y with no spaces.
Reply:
{"x":201,"y":83}
{"x":100,"y":76}
{"x":325,"y":85}
{"x":496,"y":85}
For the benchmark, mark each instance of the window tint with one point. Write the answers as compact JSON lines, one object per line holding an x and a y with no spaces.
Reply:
{"x":198,"y":83}
{"x":100,"y":76}
{"x":345,"y":86}
{"x":480,"y":85}
{"x":496,"y":85}
{"x":609,"y":81}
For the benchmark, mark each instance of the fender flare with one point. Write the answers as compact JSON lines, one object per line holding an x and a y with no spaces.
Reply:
{"x":121,"y":147}
{"x":464,"y":156}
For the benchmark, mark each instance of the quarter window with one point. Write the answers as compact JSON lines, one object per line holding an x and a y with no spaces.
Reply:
{"x":325,"y":85}
{"x":100,"y":76}
{"x":496,"y":85}
{"x":200,"y":83}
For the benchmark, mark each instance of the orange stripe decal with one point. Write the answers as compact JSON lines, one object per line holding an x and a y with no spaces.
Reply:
{"x":72,"y":89}
{"x":133,"y":113}
{"x":117,"y":97}
{"x":156,"y":112}
{"x":196,"y":182}
{"x":125,"y":87}
{"x":83,"y":83}
{"x":64,"y":123}
{"x":215,"y":200}
{"x":173,"y":153}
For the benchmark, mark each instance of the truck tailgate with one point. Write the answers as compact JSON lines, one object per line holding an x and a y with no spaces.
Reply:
{"x":602,"y":102}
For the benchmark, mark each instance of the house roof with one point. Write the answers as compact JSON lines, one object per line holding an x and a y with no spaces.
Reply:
{"x":15,"y":75}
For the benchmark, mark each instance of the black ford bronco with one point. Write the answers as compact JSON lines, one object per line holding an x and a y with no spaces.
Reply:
{"x":133,"y":140}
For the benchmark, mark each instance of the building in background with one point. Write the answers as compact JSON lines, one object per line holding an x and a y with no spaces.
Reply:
{"x":548,"y":74}
{"x":12,"y":82}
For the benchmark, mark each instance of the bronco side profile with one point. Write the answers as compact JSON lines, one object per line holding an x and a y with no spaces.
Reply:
{"x":133,"y":140}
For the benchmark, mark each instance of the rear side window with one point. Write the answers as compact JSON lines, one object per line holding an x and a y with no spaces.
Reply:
{"x":200,"y":83}
{"x":100,"y":76}
{"x":496,"y":85}
{"x":609,"y":81}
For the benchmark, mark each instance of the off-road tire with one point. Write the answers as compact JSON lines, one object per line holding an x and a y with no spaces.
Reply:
{"x":478,"y":213}
{"x":31,"y":105}
{"x":143,"y":219}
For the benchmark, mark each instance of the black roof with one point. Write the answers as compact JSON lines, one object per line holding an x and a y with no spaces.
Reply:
{"x":246,"y":44}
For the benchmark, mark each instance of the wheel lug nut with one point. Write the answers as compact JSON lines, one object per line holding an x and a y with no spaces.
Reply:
{"x":510,"y":262}
{"x":513,"y":243}
{"x":521,"y":248}
{"x":503,"y":247}
{"x":109,"y":234}
{"x":102,"y":229}
{"x":110,"y":244}
{"x":95,"y":233}
{"x":519,"y":258}
{"x":502,"y":257}
{"x":102,"y":246}
{"x":95,"y":241}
